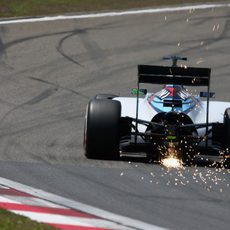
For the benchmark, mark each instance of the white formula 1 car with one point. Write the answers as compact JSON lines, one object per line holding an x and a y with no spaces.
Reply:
{"x":169,"y":122}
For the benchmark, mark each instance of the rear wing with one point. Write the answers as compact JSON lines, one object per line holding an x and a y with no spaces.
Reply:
{"x":188,"y":76}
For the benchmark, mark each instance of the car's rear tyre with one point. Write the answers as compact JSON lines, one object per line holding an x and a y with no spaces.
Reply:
{"x":102,"y":129}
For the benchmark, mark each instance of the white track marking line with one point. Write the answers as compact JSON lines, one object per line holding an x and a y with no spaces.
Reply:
{"x":113,"y":14}
{"x":124,"y":221}
{"x":7,"y":200}
{"x":32,"y":201}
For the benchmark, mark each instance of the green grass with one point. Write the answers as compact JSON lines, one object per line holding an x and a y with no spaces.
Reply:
{"x":12,"y":8}
{"x":10,"y":221}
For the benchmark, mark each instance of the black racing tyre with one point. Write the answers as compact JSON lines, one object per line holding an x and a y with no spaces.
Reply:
{"x":102,"y":129}
{"x":105,"y":96}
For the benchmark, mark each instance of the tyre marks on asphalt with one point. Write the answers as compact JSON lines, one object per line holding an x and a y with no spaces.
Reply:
{"x":62,"y":52}
{"x":42,"y":96}
{"x":2,"y":49}
{"x":9,"y":127}
{"x":3,"y":53}
{"x":2,"y":46}
{"x":59,"y":87}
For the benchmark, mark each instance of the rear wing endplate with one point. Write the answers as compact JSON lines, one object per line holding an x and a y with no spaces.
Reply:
{"x":188,"y":76}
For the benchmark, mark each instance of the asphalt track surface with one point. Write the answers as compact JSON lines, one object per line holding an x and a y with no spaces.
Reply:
{"x":49,"y":71}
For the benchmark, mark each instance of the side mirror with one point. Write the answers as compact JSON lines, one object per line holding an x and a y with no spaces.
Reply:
{"x":142,"y":92}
